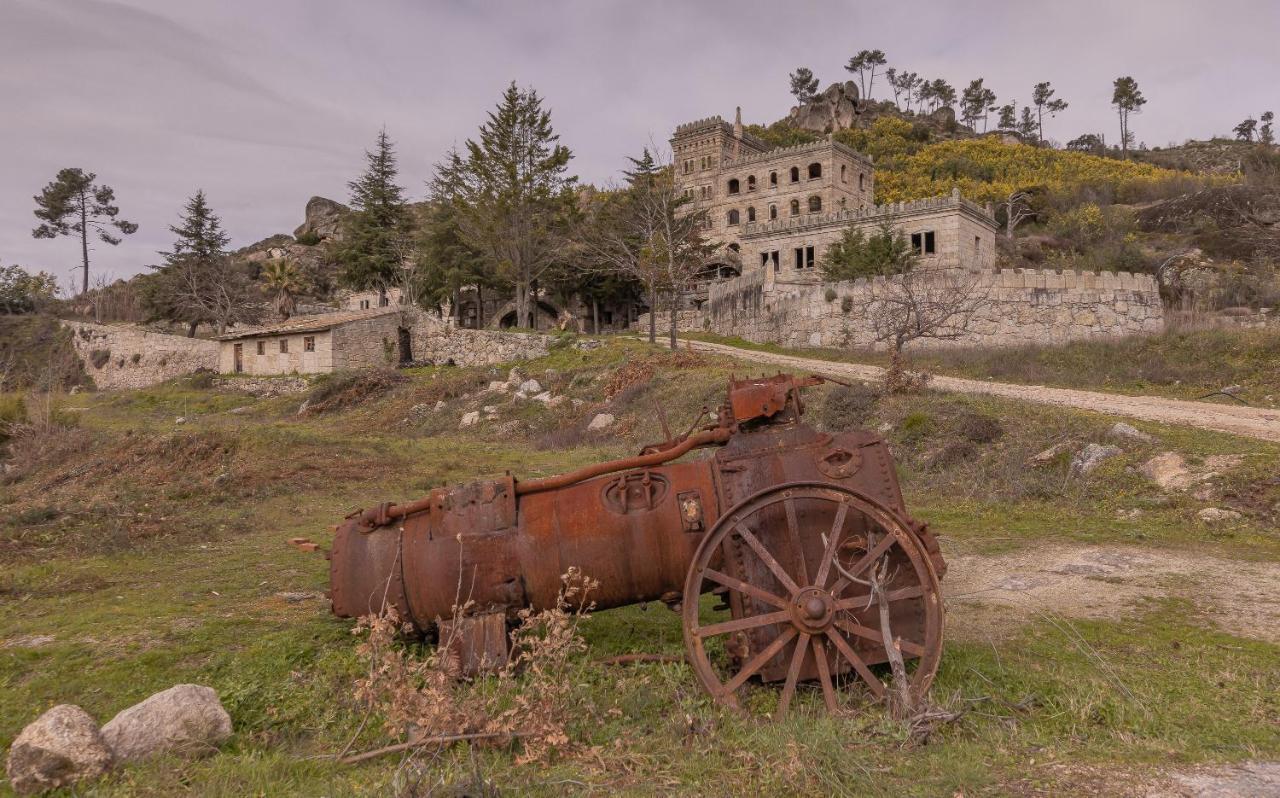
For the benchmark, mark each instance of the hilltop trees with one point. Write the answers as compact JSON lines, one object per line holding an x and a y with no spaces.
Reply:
{"x":447,"y":263}
{"x":73,"y":204}
{"x":512,"y":194}
{"x":976,"y":102}
{"x":1127,"y":99}
{"x":375,"y":247}
{"x":1264,"y":134}
{"x":199,"y":282}
{"x":1245,"y":130}
{"x":22,"y":292}
{"x":803,"y":85}
{"x":1042,"y":98}
{"x":864,"y":66}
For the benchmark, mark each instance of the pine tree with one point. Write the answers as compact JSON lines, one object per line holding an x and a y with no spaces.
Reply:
{"x":803,"y":85}
{"x":376,"y":238}
{"x":1042,"y":98}
{"x":513,"y":195}
{"x":1008,"y":116}
{"x":1264,"y":133}
{"x":73,"y":204}
{"x":1128,"y":100}
{"x":856,"y":255}
{"x":447,"y":264}
{"x":864,"y":66}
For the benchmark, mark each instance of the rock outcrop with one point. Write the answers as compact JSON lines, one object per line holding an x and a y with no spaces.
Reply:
{"x":185,"y":719}
{"x":323,"y":219}
{"x":57,"y":749}
{"x":834,"y":109}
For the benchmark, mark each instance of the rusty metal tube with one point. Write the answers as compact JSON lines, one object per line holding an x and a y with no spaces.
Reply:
{"x":706,"y":438}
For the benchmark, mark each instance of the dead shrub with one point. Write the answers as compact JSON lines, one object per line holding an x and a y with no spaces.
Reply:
{"x":846,"y":407}
{"x":641,"y":370}
{"x":100,"y":357}
{"x":347,"y":389}
{"x":422,"y":698}
{"x":976,"y":427}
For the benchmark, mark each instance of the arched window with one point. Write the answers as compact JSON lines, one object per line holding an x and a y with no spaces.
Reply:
{"x":795,"y":174}
{"x":773,"y":178}
{"x":815,"y":204}
{"x":751,"y":214}
{"x":815,"y":170}
{"x":733,"y":216}
{"x":795,"y":207}
{"x":843,"y":177}
{"x":751,"y":182}
{"x":735,"y":248}
{"x":860,"y":184}
{"x":733,"y":186}
{"x":773,"y":211}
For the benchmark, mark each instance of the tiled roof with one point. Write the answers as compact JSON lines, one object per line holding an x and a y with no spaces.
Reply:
{"x":301,"y":324}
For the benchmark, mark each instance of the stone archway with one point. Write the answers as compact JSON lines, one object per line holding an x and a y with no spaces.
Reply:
{"x":546,"y":316}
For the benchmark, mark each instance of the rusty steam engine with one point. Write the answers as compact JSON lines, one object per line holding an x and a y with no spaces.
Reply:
{"x":788,"y":552}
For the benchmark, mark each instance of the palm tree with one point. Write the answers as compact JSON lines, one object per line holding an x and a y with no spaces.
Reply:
{"x":284,"y":280}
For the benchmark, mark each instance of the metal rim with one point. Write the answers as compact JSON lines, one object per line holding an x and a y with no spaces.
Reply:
{"x":813,"y":615}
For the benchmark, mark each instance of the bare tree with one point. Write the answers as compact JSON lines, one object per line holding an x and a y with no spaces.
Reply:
{"x":935,"y":304}
{"x":1017,"y":209}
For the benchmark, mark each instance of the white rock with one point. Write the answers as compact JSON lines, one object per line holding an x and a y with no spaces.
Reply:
{"x":1048,"y":454}
{"x":490,"y":410}
{"x":439,"y":406}
{"x":57,"y":749}
{"x":238,"y":410}
{"x":470,"y":419}
{"x":530,"y":387}
{"x":601,"y":421}
{"x":499,"y":386}
{"x":1216,"y":515}
{"x":1123,"y":430}
{"x":1092,"y":456}
{"x":544,"y":397}
{"x":1168,"y":470}
{"x":186,"y":719}
{"x":302,"y":408}
{"x":180,"y":420}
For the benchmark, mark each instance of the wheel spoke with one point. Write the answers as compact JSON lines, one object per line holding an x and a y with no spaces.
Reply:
{"x":876,"y":687}
{"x":824,"y":675}
{"x":867,"y":632}
{"x":744,"y":587}
{"x":757,"y":662}
{"x":793,"y":674}
{"x":870,"y":557}
{"x":863,"y":601}
{"x":767,"y":558}
{"x":833,"y":540}
{"x":793,"y":533}
{"x":739,"y":624}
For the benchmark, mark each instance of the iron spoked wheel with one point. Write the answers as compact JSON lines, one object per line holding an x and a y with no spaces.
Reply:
{"x":812,"y":575}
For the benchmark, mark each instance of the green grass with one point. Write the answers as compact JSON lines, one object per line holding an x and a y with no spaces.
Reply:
{"x":1156,"y":687}
{"x":1177,"y":364}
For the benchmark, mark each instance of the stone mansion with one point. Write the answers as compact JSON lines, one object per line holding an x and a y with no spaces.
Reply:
{"x":775,"y":211}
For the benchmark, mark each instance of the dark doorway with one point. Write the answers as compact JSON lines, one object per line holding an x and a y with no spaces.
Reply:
{"x":238,"y":351}
{"x":406,"y":346}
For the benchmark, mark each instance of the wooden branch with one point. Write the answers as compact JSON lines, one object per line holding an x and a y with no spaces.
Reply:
{"x":443,"y":739}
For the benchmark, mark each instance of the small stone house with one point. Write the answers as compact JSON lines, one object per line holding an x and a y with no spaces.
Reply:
{"x":320,"y":344}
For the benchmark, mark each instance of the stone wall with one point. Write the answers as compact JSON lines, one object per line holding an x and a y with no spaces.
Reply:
{"x":265,"y":357}
{"x":1020,"y":307}
{"x":686,"y":321}
{"x":375,"y":342}
{"x":136,"y":358}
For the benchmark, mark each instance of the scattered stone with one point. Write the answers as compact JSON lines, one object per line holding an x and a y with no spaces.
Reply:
{"x":1093,"y":456}
{"x":470,"y":418}
{"x":1204,"y":493}
{"x":1123,"y":430}
{"x":601,"y":421}
{"x":1129,"y":514}
{"x":57,"y":749}
{"x":1217,"y":515}
{"x":508,"y":428}
{"x":1168,"y":470}
{"x":180,"y":420}
{"x":1048,"y":454}
{"x":302,"y":408}
{"x":577,"y":403}
{"x":530,"y":387}
{"x":544,"y":397}
{"x":498,"y":386}
{"x":439,"y":405}
{"x":1232,"y":390}
{"x":28,"y":641}
{"x":239,"y":410}
{"x":491,"y":410}
{"x":186,"y":719}
{"x":295,"y":596}
{"x":515,"y":376}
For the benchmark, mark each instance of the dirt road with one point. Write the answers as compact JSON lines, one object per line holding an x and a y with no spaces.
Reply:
{"x":1251,"y":422}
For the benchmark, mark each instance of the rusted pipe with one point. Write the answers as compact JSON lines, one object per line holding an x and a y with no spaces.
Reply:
{"x":706,"y":438}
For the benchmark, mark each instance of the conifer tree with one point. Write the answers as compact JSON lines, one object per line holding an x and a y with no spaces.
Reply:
{"x":1264,"y":133}
{"x":803,"y":85}
{"x":1128,"y":100}
{"x":73,"y":204}
{"x":376,"y":239}
{"x":1042,"y":98}
{"x":513,"y":196}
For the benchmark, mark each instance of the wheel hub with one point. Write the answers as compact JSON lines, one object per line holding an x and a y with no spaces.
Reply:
{"x":813,"y":609}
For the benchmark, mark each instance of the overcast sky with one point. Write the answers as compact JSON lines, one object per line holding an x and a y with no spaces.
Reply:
{"x":264,"y":103}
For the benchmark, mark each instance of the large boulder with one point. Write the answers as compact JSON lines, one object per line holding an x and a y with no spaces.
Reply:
{"x":323,"y":219}
{"x":834,"y":109}
{"x":57,"y":749}
{"x":186,"y":719}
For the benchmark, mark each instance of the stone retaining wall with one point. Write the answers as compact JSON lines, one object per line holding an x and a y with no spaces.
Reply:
{"x":1019,"y":307}
{"x":135,"y":358}
{"x":375,"y":342}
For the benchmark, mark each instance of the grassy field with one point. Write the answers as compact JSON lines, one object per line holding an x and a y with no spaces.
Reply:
{"x":1188,"y":364}
{"x":136,"y":553}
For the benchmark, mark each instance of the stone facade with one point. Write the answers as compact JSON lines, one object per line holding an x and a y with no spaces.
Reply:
{"x":365,"y":339}
{"x":1020,"y":307}
{"x":131,"y":357}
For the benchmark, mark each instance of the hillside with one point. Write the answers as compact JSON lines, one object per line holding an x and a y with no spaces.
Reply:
{"x":1085,"y":609}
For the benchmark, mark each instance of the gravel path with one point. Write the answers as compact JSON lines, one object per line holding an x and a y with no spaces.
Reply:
{"x":1251,"y":422}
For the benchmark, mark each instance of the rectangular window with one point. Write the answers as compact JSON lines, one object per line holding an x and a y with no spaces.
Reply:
{"x":284,"y":345}
{"x":262,"y":347}
{"x":977,"y":245}
{"x":916,"y":245}
{"x":928,"y":243}
{"x":764,"y":259}
{"x":309,"y":343}
{"x":799,"y":253}
{"x":808,"y":257}
{"x":776,"y":260}
{"x":923,"y":243}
